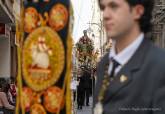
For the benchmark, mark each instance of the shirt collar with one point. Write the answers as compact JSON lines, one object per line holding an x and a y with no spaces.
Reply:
{"x":123,"y":57}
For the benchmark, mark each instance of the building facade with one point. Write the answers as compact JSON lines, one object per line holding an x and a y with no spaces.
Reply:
{"x":8,"y":57}
{"x":158,"y":32}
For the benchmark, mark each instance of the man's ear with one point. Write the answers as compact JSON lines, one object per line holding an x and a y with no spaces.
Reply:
{"x":138,"y":11}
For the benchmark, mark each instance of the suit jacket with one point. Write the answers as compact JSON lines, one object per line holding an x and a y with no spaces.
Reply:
{"x":81,"y":84}
{"x":87,"y":80}
{"x":143,"y":90}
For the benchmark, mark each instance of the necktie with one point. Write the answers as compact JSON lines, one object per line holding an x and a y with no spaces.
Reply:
{"x":115,"y":64}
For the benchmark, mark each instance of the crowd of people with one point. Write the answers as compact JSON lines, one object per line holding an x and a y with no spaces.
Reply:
{"x":7,"y":96}
{"x":82,"y":88}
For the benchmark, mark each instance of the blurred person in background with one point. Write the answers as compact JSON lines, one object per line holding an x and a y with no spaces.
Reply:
{"x":5,"y":106}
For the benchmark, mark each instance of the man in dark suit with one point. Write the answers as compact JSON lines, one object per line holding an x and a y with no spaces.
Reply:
{"x":131,"y":77}
{"x":80,"y":92}
{"x":87,"y":85}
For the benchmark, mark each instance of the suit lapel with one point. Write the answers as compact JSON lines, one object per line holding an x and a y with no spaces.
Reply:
{"x":121,"y":80}
{"x":124,"y":77}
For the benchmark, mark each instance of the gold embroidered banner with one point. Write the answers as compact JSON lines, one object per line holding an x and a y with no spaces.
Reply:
{"x":44,"y":57}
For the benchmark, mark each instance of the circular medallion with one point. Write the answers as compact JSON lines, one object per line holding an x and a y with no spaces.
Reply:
{"x":43,"y":58}
{"x":27,"y":95}
{"x":30,"y":19}
{"x":58,"y":17}
{"x":53,"y":99}
{"x":37,"y":109}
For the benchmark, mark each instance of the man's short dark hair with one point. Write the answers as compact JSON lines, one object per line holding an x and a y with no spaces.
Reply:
{"x":145,"y":20}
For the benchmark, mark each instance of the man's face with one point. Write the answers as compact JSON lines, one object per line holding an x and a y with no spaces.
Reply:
{"x":118,"y":17}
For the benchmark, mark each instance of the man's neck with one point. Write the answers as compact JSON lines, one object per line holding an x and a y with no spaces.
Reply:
{"x":125,"y":40}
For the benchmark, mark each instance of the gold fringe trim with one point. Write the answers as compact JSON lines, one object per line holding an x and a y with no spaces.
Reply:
{"x":20,"y":38}
{"x":67,"y":79}
{"x":69,"y":64}
{"x":18,"y":83}
{"x":68,"y":75}
{"x":66,"y":84}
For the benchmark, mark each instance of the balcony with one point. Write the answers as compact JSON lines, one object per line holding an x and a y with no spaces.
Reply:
{"x":6,"y":8}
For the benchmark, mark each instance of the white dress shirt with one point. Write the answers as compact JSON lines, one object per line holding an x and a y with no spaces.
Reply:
{"x":125,"y":55}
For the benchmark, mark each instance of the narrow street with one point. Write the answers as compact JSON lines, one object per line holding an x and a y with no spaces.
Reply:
{"x":85,"y":109}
